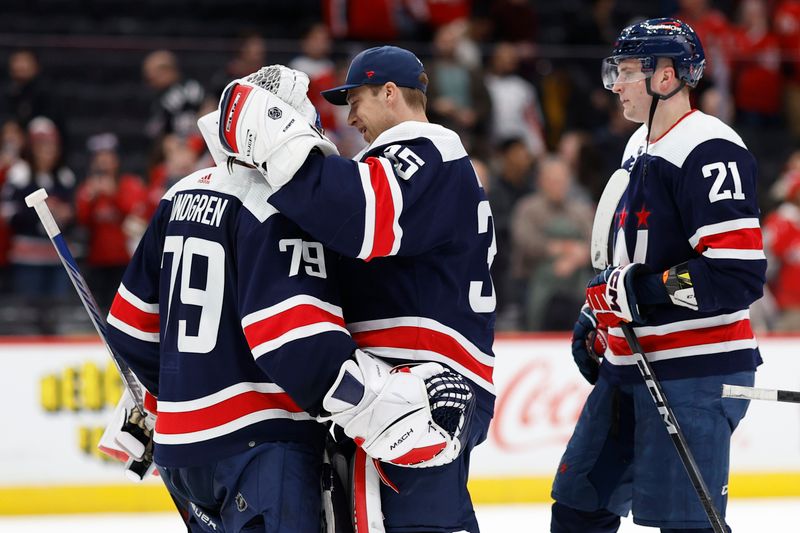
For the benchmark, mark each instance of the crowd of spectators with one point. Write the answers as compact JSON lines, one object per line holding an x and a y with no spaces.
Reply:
{"x":543,"y":133}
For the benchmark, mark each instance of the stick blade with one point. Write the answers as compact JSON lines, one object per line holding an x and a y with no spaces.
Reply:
{"x":604,"y":217}
{"x":36,"y":197}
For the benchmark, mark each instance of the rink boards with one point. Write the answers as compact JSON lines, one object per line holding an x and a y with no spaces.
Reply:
{"x":58,"y":395}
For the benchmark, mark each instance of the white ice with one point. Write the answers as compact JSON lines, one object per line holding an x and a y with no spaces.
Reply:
{"x":744,"y":516}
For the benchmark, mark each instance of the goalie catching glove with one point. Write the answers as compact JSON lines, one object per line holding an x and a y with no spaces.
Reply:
{"x":411,"y":415}
{"x":267,"y":121}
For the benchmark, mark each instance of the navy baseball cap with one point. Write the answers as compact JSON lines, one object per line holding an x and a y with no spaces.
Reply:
{"x":376,"y":66}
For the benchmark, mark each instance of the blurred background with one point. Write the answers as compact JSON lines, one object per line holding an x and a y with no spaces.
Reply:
{"x":100,"y":100}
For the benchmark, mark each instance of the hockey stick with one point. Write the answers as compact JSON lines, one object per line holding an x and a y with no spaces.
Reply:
{"x":36,"y":200}
{"x":753,"y":393}
{"x":601,"y":231}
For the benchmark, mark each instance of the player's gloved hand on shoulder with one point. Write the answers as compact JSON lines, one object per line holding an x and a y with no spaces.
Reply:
{"x":266,"y":120}
{"x":589,"y":343}
{"x":612,"y":297}
{"x":412,"y":416}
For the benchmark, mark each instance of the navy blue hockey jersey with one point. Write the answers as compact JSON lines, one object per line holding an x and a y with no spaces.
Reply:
{"x":230,"y":315}
{"x":696,"y":202}
{"x":414,"y":227}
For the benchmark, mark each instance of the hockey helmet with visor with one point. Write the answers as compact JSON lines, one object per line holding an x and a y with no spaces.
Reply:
{"x":639,"y":46}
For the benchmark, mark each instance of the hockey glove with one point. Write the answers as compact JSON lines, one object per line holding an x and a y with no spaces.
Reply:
{"x":413,"y":416}
{"x":260,"y":128}
{"x":129,"y":438}
{"x":611,"y":296}
{"x":589,"y":343}
{"x":679,"y":286}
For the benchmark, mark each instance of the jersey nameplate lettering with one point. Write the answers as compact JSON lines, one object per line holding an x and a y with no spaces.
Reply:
{"x":202,"y":208}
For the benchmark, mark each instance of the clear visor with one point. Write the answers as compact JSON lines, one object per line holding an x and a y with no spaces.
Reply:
{"x":627,"y":70}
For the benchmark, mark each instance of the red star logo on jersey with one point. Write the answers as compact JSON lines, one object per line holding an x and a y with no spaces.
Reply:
{"x":621,"y":216}
{"x":641,"y":217}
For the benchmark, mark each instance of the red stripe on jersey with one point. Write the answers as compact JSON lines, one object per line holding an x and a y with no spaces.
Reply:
{"x":239,"y":94}
{"x":150,"y":402}
{"x":133,"y":316}
{"x":384,"y":236}
{"x":740,"y":330}
{"x":413,"y":338}
{"x":170,"y":423}
{"x":276,"y":325}
{"x":740,"y":239}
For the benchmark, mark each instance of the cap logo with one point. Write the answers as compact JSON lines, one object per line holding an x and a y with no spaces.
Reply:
{"x":370,"y":73}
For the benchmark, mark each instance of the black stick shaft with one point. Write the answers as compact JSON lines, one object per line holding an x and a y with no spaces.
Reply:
{"x":674,"y":430}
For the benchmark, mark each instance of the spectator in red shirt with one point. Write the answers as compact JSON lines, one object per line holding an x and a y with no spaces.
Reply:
{"x":782,"y":244}
{"x":111,"y":206}
{"x":757,"y":79}
{"x":786,"y":21}
{"x":718,"y":36}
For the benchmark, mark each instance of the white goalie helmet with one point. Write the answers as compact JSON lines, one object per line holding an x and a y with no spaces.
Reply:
{"x":267,"y":120}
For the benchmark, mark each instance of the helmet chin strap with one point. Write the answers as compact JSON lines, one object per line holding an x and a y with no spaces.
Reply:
{"x":654,"y":102}
{"x":655,"y":98}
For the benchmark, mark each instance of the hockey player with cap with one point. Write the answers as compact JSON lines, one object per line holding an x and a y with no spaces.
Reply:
{"x":231,"y":317}
{"x":687,"y":263}
{"x":414,"y":230}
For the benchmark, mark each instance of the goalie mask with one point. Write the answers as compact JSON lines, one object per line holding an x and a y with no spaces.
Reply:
{"x":244,"y":111}
{"x":266,"y":120}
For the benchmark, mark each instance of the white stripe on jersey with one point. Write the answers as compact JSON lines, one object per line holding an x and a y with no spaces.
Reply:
{"x":294,"y":301}
{"x":722,"y":227}
{"x":397,"y":201}
{"x":135,"y":301}
{"x":734,"y":253}
{"x":699,"y":349}
{"x":132,"y":331}
{"x":230,"y":427}
{"x":369,"y":211}
{"x":217,"y":397}
{"x":292,"y":335}
{"x":422,"y":322}
{"x":685,"y":325}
